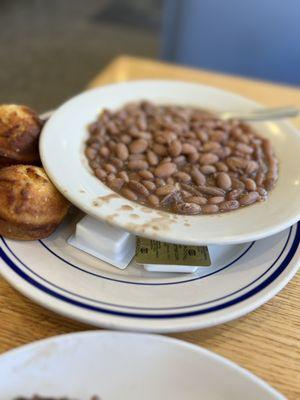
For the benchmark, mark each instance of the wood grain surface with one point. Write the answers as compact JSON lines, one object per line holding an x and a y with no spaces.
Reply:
{"x":266,"y":341}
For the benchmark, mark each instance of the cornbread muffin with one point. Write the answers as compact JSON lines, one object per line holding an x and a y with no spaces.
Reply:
{"x":30,"y":206}
{"x":20,"y":128}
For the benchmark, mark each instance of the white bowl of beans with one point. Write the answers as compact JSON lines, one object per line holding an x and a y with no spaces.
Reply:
{"x":153,"y":158}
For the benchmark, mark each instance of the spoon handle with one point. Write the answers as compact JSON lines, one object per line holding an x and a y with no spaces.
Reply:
{"x":262,"y":114}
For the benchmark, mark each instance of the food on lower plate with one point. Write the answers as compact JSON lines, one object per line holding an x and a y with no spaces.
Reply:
{"x":180,"y":159}
{"x":19,"y":134}
{"x":30,"y":206}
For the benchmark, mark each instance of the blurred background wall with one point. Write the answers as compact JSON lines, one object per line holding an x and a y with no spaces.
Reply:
{"x":50,"y":49}
{"x":256,"y":38}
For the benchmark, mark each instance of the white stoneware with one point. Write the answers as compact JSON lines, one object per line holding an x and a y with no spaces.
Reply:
{"x":80,"y":286}
{"x":62,"y":145}
{"x":125,"y":366}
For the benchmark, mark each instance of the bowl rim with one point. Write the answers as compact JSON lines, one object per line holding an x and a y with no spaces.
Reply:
{"x":162,"y":217}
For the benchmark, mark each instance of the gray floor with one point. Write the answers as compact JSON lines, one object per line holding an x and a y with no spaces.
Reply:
{"x":49,"y":49}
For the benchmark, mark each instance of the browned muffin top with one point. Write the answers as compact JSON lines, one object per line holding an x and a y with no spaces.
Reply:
{"x":27,"y":196}
{"x":19,"y":132}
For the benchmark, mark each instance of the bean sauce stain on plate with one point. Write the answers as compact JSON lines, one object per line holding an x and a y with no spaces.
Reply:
{"x":111,"y":218}
{"x":130,"y":226}
{"x":82,"y":191}
{"x":108,"y":197}
{"x":37,"y":355}
{"x":147,"y":209}
{"x":163,"y":222}
{"x":134,"y":216}
{"x":126,"y":208}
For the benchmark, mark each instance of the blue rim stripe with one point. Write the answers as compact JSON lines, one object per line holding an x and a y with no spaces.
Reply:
{"x":149,"y":308}
{"x":146,"y":283}
{"x":241,"y":298}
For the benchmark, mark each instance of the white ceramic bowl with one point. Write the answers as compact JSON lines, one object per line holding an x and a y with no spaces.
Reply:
{"x":62,"y":146}
{"x":125,"y":366}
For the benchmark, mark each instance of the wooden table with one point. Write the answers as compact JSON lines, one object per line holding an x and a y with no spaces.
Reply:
{"x":267,"y":341}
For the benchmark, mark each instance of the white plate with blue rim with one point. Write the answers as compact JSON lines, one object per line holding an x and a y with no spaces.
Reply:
{"x":125,"y":366}
{"x":70,"y":282}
